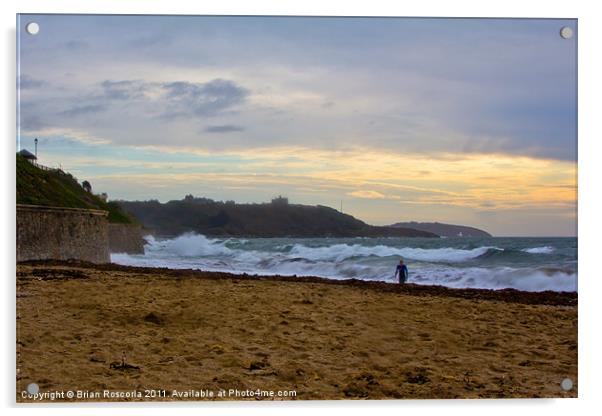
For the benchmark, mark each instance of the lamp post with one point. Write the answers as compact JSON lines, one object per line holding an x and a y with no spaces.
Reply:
{"x":36,"y":147}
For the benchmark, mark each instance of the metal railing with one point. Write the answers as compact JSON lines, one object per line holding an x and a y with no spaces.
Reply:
{"x":44,"y":167}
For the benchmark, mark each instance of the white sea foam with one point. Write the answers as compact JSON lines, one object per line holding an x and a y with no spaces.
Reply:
{"x":187,"y":245}
{"x":445,"y":266}
{"x":539,"y":250}
{"x":339,"y":252}
{"x":527,"y":279}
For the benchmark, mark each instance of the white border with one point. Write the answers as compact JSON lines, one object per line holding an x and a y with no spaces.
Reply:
{"x":589,"y":189}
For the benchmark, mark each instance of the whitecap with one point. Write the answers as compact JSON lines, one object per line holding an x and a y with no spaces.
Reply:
{"x":539,"y":250}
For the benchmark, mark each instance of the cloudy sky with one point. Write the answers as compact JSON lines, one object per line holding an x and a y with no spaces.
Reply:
{"x":452,"y":120}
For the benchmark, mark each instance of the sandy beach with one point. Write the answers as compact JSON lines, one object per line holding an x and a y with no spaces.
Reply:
{"x":175,"y":335}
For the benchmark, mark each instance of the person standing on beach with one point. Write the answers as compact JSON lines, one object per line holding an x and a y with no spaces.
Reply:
{"x":402,"y":271}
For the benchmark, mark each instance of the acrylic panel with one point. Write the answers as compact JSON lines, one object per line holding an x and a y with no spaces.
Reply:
{"x":295,"y":208}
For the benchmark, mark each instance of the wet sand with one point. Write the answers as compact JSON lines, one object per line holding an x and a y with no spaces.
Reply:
{"x":123,"y":331}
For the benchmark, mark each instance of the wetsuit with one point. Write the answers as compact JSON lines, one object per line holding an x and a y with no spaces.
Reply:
{"x":402,"y":271}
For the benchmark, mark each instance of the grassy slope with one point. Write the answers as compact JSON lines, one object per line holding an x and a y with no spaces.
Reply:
{"x":59,"y":189}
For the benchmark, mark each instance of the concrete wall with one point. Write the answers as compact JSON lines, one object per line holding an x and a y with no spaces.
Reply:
{"x":62,"y":234}
{"x":126,"y":238}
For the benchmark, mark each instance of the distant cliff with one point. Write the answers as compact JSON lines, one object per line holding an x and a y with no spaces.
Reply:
{"x":444,"y":230}
{"x":276,"y":219}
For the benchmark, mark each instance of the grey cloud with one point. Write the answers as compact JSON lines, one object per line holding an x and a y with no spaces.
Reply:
{"x":143,"y":101}
{"x":26,"y":82}
{"x":494,"y":86}
{"x":76,"y":44}
{"x":123,"y":90}
{"x":31,"y":116}
{"x":83,"y":109}
{"x":186,"y":98}
{"x":226,"y":128}
{"x":151,"y":40}
{"x":32,"y":122}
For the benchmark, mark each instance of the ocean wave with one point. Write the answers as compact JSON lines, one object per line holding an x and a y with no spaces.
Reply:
{"x":187,"y":245}
{"x":196,"y":245}
{"x":478,"y":267}
{"x":340,"y":252}
{"x":527,"y":279}
{"x":539,"y":250}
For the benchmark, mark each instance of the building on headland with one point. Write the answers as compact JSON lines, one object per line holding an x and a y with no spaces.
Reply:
{"x":27,"y":155}
{"x":280,"y":200}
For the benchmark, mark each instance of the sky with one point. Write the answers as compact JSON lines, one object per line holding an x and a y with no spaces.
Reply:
{"x":463,"y":121}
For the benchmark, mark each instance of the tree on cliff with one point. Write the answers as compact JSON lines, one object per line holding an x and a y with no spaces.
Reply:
{"x":87,"y":187}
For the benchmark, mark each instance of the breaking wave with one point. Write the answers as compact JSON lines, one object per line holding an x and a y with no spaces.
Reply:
{"x":539,"y":250}
{"x":482,"y":266}
{"x":339,"y":252}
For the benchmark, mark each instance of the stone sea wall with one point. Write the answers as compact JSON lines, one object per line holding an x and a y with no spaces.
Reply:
{"x":126,"y":238}
{"x":62,"y":234}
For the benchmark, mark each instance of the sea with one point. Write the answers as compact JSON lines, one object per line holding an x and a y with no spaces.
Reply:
{"x":529,"y":264}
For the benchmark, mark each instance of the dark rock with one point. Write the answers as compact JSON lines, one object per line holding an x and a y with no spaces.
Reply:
{"x":258,"y":365}
{"x":355,"y":390}
{"x":417,"y":377}
{"x":121,"y":366}
{"x":154,"y":319}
